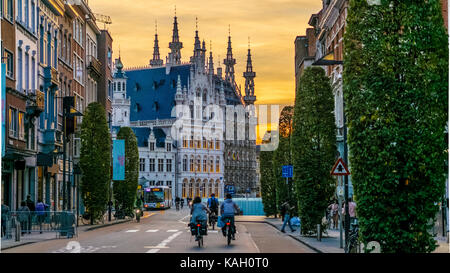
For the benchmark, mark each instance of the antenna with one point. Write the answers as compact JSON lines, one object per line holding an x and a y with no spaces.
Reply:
{"x":229,"y":30}
{"x":175,"y":10}
{"x":248,"y":42}
{"x":196,"y":23}
{"x":156,"y":26}
{"x":210,"y":45}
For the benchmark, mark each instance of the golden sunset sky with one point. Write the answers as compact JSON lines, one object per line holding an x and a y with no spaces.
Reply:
{"x":271,"y":24}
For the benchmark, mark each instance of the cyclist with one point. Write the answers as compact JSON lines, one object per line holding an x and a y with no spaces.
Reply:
{"x":227,"y":210}
{"x":182,"y":202}
{"x":198,"y":212}
{"x":177,"y":202}
{"x":213,"y":205}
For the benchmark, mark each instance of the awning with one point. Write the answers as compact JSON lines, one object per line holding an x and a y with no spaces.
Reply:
{"x":328,"y":60}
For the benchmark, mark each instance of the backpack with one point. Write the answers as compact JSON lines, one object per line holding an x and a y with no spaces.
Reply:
{"x":40,"y":208}
{"x":213,"y":203}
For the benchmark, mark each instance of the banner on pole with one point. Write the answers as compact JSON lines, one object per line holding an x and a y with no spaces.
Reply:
{"x":3,"y":87}
{"x":119,"y":159}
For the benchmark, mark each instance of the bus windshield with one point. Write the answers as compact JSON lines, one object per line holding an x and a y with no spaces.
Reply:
{"x":154,"y":197}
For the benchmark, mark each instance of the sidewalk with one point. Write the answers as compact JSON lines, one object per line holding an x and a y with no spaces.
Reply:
{"x":329,"y":243}
{"x":35,"y":237}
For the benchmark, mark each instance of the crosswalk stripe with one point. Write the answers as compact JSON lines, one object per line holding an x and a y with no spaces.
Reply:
{"x":132,"y":230}
{"x":153,"y":250}
{"x":152,"y":230}
{"x":172,"y":230}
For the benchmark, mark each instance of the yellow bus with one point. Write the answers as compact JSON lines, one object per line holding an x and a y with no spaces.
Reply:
{"x":157,"y":197}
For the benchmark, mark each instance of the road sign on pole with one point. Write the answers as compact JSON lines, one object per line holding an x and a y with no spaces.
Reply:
{"x":288,"y":171}
{"x":340,"y":168}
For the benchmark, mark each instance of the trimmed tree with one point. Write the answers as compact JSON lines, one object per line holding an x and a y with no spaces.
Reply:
{"x":95,"y":160}
{"x":396,"y":91}
{"x":268,"y":187}
{"x":313,"y":147}
{"x":282,"y":156}
{"x":125,"y":191}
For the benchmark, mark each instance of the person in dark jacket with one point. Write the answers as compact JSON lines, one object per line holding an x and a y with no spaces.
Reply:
{"x":23,"y":216}
{"x":30,"y":205}
{"x":286,"y":208}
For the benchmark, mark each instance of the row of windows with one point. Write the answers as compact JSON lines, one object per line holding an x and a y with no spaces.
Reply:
{"x":152,"y":165}
{"x":7,"y":9}
{"x":160,"y":183}
{"x":200,"y":189}
{"x":152,"y":144}
{"x":199,"y":144}
{"x":78,"y":31}
{"x":26,"y":65}
{"x":119,"y":86}
{"x":195,"y":165}
{"x":26,"y":13}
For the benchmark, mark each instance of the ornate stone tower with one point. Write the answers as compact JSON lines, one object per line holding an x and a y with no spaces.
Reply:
{"x":249,"y":76}
{"x":156,"y":61}
{"x":175,"y":46}
{"x":229,"y":62}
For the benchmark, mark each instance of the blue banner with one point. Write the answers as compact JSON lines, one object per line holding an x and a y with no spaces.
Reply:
{"x":2,"y":85}
{"x":119,"y":159}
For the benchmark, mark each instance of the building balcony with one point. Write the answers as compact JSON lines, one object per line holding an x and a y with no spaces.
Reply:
{"x":53,"y":138}
{"x":35,"y":103}
{"x":51,"y":76}
{"x":94,"y":67}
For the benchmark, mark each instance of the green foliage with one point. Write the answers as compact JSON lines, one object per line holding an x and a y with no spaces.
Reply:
{"x":282,"y":156}
{"x":125,"y":191}
{"x":313,"y":147}
{"x":95,"y":160}
{"x":268,"y":187}
{"x":396,"y":93}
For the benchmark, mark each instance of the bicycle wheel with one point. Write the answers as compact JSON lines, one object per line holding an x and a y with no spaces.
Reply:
{"x":228,"y":235}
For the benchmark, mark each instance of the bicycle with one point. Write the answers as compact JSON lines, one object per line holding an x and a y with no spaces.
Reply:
{"x":229,"y":231}
{"x":177,"y":206}
{"x":353,"y":243}
{"x":212,"y":219}
{"x":198,"y":230}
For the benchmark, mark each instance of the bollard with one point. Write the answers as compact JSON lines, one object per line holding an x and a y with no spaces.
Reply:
{"x":318,"y":233}
{"x":18,"y":232}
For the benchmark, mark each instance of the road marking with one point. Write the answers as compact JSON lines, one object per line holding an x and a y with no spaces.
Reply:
{"x":146,"y":216}
{"x":213,"y":231}
{"x":172,"y":230}
{"x":152,"y":230}
{"x":132,"y":230}
{"x":163,"y":243}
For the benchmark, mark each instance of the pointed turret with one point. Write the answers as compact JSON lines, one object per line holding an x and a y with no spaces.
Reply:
{"x":229,"y":62}
{"x":198,"y":58}
{"x":175,"y":46}
{"x":211,"y":64}
{"x":156,"y":61}
{"x":179,"y":94}
{"x":222,"y":100}
{"x":249,"y":76}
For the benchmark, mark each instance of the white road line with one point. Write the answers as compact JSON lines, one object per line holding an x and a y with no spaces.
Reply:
{"x":213,"y":231}
{"x":132,"y":230}
{"x":164,"y":243}
{"x":152,"y":230}
{"x":172,"y":230}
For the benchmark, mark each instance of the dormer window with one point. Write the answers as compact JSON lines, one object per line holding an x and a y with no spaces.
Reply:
{"x":152,"y":146}
{"x":168,"y":147}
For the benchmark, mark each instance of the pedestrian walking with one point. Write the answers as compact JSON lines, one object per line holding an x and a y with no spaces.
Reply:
{"x":335,"y":213}
{"x":31,"y":206}
{"x":40,"y":213}
{"x":351,"y":209}
{"x":286,"y":208}
{"x":23,"y":216}
{"x":5,"y":218}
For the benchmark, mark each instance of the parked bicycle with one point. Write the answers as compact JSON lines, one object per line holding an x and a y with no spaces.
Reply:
{"x":353,"y":240}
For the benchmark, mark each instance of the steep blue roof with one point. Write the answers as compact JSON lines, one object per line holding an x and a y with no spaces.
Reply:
{"x":143,"y":133}
{"x":152,"y":92}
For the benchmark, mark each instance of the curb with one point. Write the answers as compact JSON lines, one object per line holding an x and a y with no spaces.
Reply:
{"x":107,"y":225}
{"x":88,"y":229}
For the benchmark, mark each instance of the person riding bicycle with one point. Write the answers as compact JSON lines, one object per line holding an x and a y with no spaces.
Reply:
{"x":139,"y":203}
{"x":198,"y":211}
{"x":227,"y":210}
{"x":213,"y":204}
{"x":177,"y":202}
{"x":182,"y":202}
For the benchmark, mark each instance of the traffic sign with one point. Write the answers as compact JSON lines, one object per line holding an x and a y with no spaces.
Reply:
{"x":288,"y":171}
{"x":340,"y":168}
{"x":230,"y":189}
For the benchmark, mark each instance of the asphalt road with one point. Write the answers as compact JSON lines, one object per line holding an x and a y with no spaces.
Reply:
{"x":167,"y":232}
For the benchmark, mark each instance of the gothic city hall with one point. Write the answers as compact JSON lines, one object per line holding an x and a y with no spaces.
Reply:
{"x":194,"y":126}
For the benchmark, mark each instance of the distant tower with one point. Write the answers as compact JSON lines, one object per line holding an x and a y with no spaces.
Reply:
{"x":156,"y":61}
{"x":175,"y":46}
{"x":198,"y":59}
{"x":229,"y":62}
{"x":120,"y":103}
{"x":210,"y":63}
{"x":249,"y":76}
